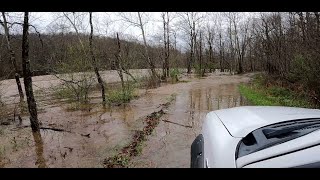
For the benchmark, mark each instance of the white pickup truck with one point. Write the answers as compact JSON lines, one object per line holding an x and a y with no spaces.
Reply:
{"x":258,"y":137}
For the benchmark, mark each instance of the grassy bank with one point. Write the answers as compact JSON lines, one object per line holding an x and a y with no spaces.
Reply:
{"x":260,"y":93}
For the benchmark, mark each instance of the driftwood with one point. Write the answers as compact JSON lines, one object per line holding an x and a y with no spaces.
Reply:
{"x":46,"y":128}
{"x":177,"y":123}
{"x":53,"y":129}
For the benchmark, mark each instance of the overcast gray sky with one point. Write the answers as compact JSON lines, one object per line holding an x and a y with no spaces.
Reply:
{"x":108,"y":23}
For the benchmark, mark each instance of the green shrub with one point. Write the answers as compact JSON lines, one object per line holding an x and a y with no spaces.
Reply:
{"x":119,"y":95}
{"x":279,"y":91}
{"x":174,"y":75}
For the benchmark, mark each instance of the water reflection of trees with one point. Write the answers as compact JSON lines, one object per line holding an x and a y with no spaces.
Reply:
{"x":211,"y":99}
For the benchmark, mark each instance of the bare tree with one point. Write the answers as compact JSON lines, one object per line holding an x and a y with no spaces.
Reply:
{"x":221,"y":52}
{"x":151,"y":63}
{"x":189,"y":23}
{"x":95,"y":66}
{"x":199,"y":50}
{"x":210,"y":38}
{"x":12,"y":55}
{"x":166,"y":41}
{"x":118,"y":63}
{"x":94,"y":63}
{"x":241,"y":44}
{"x":32,"y":105}
{"x":140,"y":23}
{"x":73,"y":24}
{"x":232,"y":50}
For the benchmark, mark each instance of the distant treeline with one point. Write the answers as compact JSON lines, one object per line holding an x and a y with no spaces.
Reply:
{"x":48,"y":52}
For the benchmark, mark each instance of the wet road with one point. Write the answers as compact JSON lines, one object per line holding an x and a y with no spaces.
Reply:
{"x":169,"y":146}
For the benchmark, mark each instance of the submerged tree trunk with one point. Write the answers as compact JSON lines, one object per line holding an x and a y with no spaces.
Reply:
{"x":40,"y":161}
{"x":95,"y":66}
{"x":12,"y":55}
{"x":32,"y":105}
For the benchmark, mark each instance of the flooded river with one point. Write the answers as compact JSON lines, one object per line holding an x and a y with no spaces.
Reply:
{"x":92,"y":135}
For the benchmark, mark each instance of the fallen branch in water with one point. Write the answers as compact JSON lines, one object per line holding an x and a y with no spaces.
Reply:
{"x":177,"y":123}
{"x":55,"y":129}
{"x":46,"y":128}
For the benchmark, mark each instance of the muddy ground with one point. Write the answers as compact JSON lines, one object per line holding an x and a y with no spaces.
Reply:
{"x":92,"y":135}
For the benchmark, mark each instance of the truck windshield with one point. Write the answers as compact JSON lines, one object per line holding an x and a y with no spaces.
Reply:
{"x":271,"y":135}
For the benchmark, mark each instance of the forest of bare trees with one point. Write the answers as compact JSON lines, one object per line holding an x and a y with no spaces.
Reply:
{"x":283,"y":44}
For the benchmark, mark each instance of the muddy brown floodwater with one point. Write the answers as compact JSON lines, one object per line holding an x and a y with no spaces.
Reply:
{"x":169,"y":146}
{"x":92,"y":135}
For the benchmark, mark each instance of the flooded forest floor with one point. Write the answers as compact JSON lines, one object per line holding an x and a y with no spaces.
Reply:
{"x":96,"y":136}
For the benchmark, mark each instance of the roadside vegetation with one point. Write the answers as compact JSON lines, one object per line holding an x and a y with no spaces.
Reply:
{"x":265,"y":92}
{"x":174,"y":75}
{"x":117,"y":96}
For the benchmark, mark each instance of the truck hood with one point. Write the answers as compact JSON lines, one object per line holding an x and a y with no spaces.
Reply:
{"x":240,"y":121}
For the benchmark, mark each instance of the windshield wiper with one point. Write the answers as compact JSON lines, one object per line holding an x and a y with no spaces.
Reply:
{"x":275,"y":132}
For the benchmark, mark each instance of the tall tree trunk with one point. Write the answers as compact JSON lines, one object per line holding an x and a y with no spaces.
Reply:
{"x":191,"y":54}
{"x":96,"y":70}
{"x":12,"y":55}
{"x":119,"y":63}
{"x":210,"y":39}
{"x":164,"y":73}
{"x":220,"y":52}
{"x":202,"y":68}
{"x":238,"y":49}
{"x":166,"y":40}
{"x":168,"y":46}
{"x":152,"y":66}
{"x":232,"y":63}
{"x":32,"y":105}
{"x":192,"y":48}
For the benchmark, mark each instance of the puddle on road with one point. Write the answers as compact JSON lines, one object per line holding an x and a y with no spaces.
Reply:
{"x":100,"y":133}
{"x":169,"y":146}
